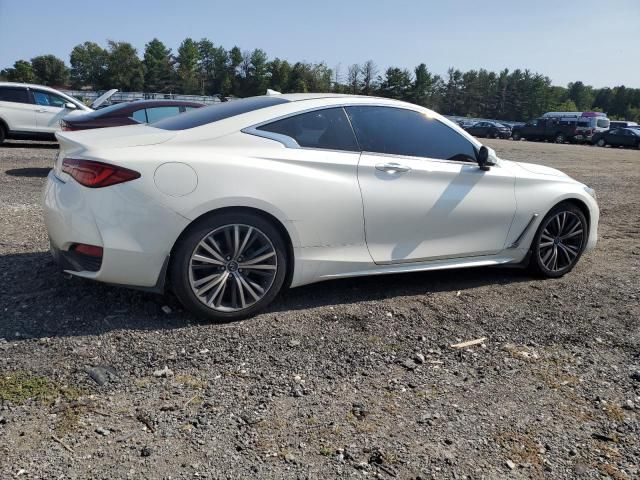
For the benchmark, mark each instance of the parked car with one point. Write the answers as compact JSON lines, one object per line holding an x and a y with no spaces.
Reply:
{"x":622,"y":124}
{"x":229,"y":204}
{"x":489,"y":130}
{"x":552,"y":129}
{"x":466,"y":123}
{"x":33,"y":112}
{"x":618,"y":137}
{"x":586,"y":123}
{"x":128,"y":113}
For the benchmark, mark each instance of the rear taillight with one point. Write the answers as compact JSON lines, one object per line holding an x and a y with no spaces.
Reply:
{"x":97,"y":174}
{"x":90,"y":250}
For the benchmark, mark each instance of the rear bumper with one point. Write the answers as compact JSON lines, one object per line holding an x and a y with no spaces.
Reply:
{"x":135,"y":232}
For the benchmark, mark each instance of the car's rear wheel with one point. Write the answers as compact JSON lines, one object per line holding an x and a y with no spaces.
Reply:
{"x":229,"y":266}
{"x":3,"y":134}
{"x":560,"y":138}
{"x":559,"y":241}
{"x":516,"y":136}
{"x":601,"y":143}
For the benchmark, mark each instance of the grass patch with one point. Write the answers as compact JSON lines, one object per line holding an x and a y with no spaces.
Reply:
{"x":19,"y":387}
{"x":192,"y":382}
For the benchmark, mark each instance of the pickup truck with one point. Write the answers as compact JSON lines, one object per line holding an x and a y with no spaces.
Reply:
{"x":552,"y":129}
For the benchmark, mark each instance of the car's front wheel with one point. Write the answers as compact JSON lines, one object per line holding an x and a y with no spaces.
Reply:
{"x":601,"y":143}
{"x":516,"y":136}
{"x":229,"y":266}
{"x":3,"y":134}
{"x":559,"y":241}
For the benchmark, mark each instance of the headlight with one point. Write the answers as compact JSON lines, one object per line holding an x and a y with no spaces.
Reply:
{"x":591,"y":192}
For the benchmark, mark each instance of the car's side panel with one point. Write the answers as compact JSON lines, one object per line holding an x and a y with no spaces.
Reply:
{"x":18,"y":116}
{"x":437,"y":209}
{"x":538,"y":194}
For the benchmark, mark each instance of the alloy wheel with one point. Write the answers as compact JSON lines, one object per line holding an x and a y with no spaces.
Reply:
{"x":232,"y":267}
{"x":561,"y":241}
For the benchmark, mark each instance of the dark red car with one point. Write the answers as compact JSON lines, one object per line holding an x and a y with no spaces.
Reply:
{"x":128,"y":113}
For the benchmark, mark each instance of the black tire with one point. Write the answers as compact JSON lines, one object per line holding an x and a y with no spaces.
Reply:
{"x":516,"y":136}
{"x":179,"y":269}
{"x":3,"y":134}
{"x":601,"y":142}
{"x":560,"y":138}
{"x":539,"y":251}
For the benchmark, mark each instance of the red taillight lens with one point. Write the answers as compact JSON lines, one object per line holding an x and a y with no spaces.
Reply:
{"x":90,"y":250}
{"x":97,"y":174}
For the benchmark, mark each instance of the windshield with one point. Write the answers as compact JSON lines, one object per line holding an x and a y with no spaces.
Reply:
{"x":603,"y":123}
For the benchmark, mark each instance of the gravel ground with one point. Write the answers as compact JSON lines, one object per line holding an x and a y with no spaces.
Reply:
{"x":344,"y":379}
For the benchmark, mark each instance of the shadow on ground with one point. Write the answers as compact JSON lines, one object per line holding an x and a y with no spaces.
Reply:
{"x":25,"y":144}
{"x":29,"y":172}
{"x":40,"y":301}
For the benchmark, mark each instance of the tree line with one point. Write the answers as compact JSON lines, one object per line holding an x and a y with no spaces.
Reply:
{"x":201,"y":67}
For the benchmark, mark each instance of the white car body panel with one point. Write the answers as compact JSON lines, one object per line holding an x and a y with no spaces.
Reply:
{"x":434,"y":209}
{"x":18,"y":116}
{"x":340,"y":217}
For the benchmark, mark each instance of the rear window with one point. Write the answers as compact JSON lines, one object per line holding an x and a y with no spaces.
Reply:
{"x":215,"y":113}
{"x":603,"y":123}
{"x":15,"y":95}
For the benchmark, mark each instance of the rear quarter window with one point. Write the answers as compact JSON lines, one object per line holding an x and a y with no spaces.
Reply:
{"x":14,"y":95}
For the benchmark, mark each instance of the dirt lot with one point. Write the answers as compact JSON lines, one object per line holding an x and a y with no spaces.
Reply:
{"x":349,"y":379}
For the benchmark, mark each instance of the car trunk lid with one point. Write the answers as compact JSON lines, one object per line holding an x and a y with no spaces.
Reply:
{"x":82,"y":142}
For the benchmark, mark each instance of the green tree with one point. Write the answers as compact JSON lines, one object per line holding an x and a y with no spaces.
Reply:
{"x":396,"y":83}
{"x":124,"y":69}
{"x":258,"y":74}
{"x":49,"y":70}
{"x":88,"y":65}
{"x":581,"y":95}
{"x":369,"y":71}
{"x":21,"y":72}
{"x":189,"y":79}
{"x":214,"y":66}
{"x":158,"y":67}
{"x":426,"y":88}
{"x":279,"y":72}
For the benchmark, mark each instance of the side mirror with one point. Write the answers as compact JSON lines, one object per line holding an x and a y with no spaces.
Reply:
{"x":485,"y":158}
{"x":70,"y":106}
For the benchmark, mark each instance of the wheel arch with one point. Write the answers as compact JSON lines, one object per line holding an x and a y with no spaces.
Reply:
{"x":286,"y":236}
{"x":580,"y":204}
{"x":5,"y":126}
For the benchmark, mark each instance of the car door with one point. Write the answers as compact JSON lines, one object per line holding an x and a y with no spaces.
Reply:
{"x":50,"y":110}
{"x":17,"y":110}
{"x":612,"y":137}
{"x":424,"y":197}
{"x":627,"y":138}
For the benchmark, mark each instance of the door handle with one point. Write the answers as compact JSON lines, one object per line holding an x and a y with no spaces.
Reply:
{"x":42,"y":110}
{"x":392,"y":168}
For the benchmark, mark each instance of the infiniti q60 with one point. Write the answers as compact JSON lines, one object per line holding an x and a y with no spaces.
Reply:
{"x":229,"y":204}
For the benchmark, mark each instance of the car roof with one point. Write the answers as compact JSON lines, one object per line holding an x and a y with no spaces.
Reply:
{"x":28,"y":85}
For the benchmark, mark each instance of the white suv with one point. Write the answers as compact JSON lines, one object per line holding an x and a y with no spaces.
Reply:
{"x":33,"y":112}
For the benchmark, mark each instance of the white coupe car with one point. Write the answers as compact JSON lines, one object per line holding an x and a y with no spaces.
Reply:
{"x":231,"y":203}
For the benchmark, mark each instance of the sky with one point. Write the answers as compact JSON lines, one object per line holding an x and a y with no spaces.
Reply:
{"x":595,"y":41}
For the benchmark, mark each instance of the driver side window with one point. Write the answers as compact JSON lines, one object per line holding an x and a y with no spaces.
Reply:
{"x":398,"y":131}
{"x":48,"y":99}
